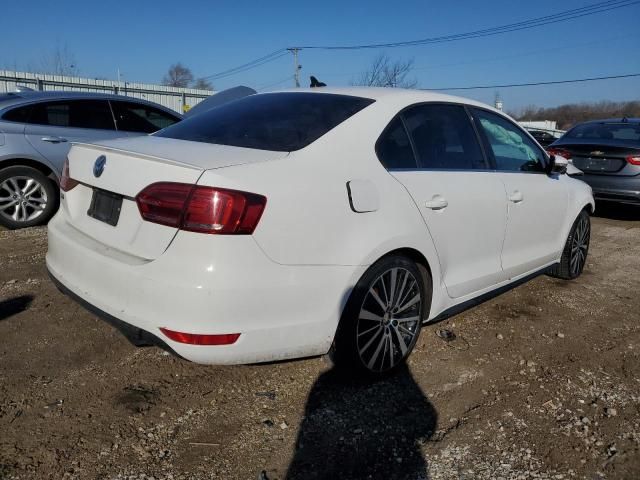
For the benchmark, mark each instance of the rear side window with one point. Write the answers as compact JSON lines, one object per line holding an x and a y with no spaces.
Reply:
{"x":444,"y":138}
{"x":93,"y":114}
{"x":512,"y":149}
{"x":280,"y":122}
{"x":19,"y":114}
{"x":394,"y":147}
{"x":136,"y":117}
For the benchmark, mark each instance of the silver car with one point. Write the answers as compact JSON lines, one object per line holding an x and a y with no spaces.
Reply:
{"x":36,"y":131}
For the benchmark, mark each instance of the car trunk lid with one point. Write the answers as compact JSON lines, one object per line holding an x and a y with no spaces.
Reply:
{"x":103,"y":205}
{"x":599,"y":158}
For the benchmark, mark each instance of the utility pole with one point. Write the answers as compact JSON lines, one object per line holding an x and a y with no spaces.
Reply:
{"x":296,"y":65}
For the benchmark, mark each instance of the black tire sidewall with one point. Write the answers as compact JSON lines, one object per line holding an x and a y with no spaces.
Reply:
{"x":50,"y":187}
{"x":574,"y":227}
{"x":344,"y":351}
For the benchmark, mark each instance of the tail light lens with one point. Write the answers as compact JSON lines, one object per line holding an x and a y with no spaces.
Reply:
{"x":634,"y":159}
{"x":66,"y":182}
{"x":560,"y":151}
{"x":201,"y":209}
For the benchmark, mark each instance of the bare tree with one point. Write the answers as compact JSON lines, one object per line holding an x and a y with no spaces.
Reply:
{"x":570,"y":114}
{"x":386,"y":73}
{"x":178,"y":76}
{"x":60,"y":61}
{"x":202,"y":84}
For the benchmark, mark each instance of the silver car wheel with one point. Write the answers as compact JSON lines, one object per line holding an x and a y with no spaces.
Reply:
{"x":22,"y":199}
{"x":389,"y":319}
{"x":580,"y":246}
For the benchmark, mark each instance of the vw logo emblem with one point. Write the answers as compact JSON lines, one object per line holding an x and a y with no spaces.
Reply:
{"x":98,"y":166}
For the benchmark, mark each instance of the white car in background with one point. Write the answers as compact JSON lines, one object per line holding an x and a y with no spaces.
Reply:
{"x":292,"y":224}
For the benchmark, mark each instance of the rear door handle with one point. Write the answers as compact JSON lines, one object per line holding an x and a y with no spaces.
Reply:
{"x":516,"y":197}
{"x":436,"y":203}
{"x":53,"y":139}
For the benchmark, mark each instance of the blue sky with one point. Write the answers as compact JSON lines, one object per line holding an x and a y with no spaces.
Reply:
{"x":143,"y":38}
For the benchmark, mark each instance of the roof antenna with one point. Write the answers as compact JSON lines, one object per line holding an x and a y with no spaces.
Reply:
{"x":315,"y":83}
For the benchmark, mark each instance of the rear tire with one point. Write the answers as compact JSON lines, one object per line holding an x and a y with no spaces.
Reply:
{"x":383,"y":317}
{"x":27,"y":197}
{"x":574,"y":255}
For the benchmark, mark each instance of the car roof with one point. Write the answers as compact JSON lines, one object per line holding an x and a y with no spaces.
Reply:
{"x":611,"y":120}
{"x":399,"y":95}
{"x":16,"y":98}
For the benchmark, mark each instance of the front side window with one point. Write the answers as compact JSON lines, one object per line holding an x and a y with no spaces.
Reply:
{"x":93,"y":114}
{"x":281,"y":122}
{"x":136,"y":117}
{"x":512,"y":149}
{"x":444,"y":137}
{"x":394,"y":147}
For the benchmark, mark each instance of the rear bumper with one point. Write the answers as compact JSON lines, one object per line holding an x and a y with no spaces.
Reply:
{"x":614,"y":188}
{"x":205,"y":285}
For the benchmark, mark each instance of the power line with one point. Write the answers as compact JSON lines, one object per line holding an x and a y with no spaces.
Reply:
{"x":512,"y":27}
{"x":249,"y":65}
{"x":275,"y":84}
{"x":563,"y":16}
{"x":532,"y":84}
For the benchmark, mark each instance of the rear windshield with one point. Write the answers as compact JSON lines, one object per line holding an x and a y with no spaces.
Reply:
{"x":624,"y":131}
{"x":280,"y":122}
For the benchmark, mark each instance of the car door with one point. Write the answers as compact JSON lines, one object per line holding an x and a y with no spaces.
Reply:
{"x":53,"y":125}
{"x":133,"y":118}
{"x":461,"y":200}
{"x":537,"y":202}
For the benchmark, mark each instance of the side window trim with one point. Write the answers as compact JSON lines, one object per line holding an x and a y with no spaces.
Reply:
{"x":485,"y":142}
{"x":487,"y":154}
{"x":113,"y":116}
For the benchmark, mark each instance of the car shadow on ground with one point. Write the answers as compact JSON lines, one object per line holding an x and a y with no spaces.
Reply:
{"x":617,"y":211}
{"x":359,"y":429}
{"x":15,"y":305}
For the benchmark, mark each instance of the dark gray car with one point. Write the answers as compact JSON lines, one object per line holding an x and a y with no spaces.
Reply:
{"x":36,"y":131}
{"x":608,"y":152}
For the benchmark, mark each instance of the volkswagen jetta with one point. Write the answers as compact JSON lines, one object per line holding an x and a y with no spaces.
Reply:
{"x":298,"y":223}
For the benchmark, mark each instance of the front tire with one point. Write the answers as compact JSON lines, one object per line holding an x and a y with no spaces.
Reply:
{"x":574,"y":255}
{"x":383,"y":317}
{"x":27,"y":197}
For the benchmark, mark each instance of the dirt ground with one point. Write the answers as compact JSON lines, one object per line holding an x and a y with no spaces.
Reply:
{"x":542,"y":382}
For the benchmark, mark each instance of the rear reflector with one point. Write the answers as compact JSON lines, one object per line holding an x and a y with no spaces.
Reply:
{"x":66,"y":182}
{"x":201,"y":209}
{"x":198,"y":339}
{"x":634,"y":160}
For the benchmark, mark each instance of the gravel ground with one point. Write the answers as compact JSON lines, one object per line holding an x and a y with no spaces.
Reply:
{"x":542,"y":382}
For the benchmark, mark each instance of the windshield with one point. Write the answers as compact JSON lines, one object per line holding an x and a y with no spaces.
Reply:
{"x":623,"y":131}
{"x":281,"y":122}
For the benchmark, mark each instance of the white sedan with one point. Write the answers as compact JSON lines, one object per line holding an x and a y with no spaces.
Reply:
{"x":297,"y":223}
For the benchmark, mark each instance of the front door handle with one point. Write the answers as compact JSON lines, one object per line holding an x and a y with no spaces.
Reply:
{"x":54,"y":139}
{"x":436,"y":203}
{"x":516,"y":197}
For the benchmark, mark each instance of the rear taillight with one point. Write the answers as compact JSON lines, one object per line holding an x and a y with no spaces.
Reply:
{"x":634,"y":159}
{"x":66,"y":182}
{"x":201,"y":209}
{"x":560,"y":151}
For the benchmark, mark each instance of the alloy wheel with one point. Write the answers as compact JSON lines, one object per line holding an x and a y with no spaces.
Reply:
{"x":580,"y":246}
{"x":389,"y":319}
{"x":22,"y":199}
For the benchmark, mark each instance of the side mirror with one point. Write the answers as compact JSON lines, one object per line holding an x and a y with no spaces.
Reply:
{"x":557,"y":164}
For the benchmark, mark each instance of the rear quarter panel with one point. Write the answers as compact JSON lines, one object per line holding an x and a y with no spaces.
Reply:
{"x":308,"y":219}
